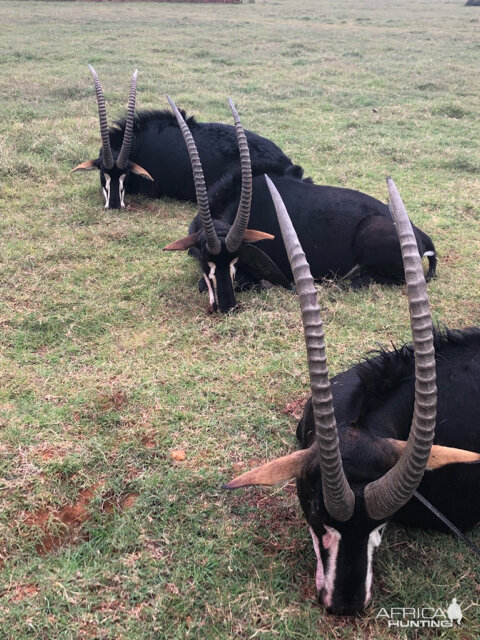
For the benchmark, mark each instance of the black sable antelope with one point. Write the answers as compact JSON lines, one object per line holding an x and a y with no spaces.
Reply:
{"x":115,"y":165}
{"x":363,"y":455}
{"x":216,"y":245}
{"x":145,"y":153}
{"x":344,"y":233}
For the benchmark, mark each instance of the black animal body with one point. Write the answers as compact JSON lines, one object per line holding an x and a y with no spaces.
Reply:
{"x":367,"y":446}
{"x":344,"y":233}
{"x":373,"y":404}
{"x":158,"y":146}
{"x":388,"y":387}
{"x":155,"y":162}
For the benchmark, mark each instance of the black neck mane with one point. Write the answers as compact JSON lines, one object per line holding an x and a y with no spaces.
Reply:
{"x":227,"y":189}
{"x":386,"y":370}
{"x":145,"y":117}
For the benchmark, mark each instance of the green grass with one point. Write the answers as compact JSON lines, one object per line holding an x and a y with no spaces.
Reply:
{"x":110,"y":361}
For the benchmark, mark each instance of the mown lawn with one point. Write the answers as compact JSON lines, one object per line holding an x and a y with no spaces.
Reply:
{"x":110,"y":361}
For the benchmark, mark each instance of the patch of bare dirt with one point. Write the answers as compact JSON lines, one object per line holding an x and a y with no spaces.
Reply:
{"x":148,"y":441}
{"x":111,"y":401}
{"x":47,"y":452}
{"x":184,"y":1}
{"x":452,"y":257}
{"x":295,"y":407}
{"x":67,"y":521}
{"x":21,"y":592}
{"x":119,"y":503}
{"x":42,"y":351}
{"x":63,"y":526}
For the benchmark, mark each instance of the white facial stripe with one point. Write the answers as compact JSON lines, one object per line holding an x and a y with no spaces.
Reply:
{"x":233,"y":269}
{"x":213,"y":278}
{"x":106,"y":189}
{"x":211,"y":295}
{"x":330,"y":542}
{"x":122,"y":190}
{"x":374,"y":540}
{"x":319,"y":576}
{"x":325,"y":578}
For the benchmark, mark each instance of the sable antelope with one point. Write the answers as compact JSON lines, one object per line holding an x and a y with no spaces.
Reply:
{"x":362,"y":453}
{"x":344,"y":233}
{"x":115,"y":165}
{"x":153,"y":158}
{"x":216,"y":245}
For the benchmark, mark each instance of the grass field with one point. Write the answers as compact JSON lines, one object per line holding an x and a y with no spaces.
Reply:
{"x":110,"y":362}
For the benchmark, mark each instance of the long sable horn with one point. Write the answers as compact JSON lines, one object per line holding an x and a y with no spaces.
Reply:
{"x":338,"y":496}
{"x":385,"y":496}
{"x":102,"y":115}
{"x":213,"y":243}
{"x":122,"y":159}
{"x":235,"y":235}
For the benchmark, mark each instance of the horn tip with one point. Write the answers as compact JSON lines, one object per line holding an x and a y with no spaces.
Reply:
{"x":173,"y":107}
{"x":270,"y":184}
{"x":392,"y":187}
{"x":233,"y":109}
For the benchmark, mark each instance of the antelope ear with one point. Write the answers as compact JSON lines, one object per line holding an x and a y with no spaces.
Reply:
{"x":139,"y":171}
{"x":263,"y":265}
{"x":89,"y":165}
{"x":183,"y":244}
{"x":274,"y":472}
{"x":251,"y":235}
{"x":441,"y":456}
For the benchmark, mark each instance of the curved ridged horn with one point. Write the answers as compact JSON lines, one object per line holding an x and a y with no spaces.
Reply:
{"x":122,"y":159}
{"x":235,"y":235}
{"x":213,"y":243}
{"x":338,"y":496}
{"x":102,"y":115}
{"x":385,"y":496}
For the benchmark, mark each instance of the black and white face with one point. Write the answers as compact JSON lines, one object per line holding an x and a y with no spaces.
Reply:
{"x":345,"y":565}
{"x":113,"y":187}
{"x":219,"y":276}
